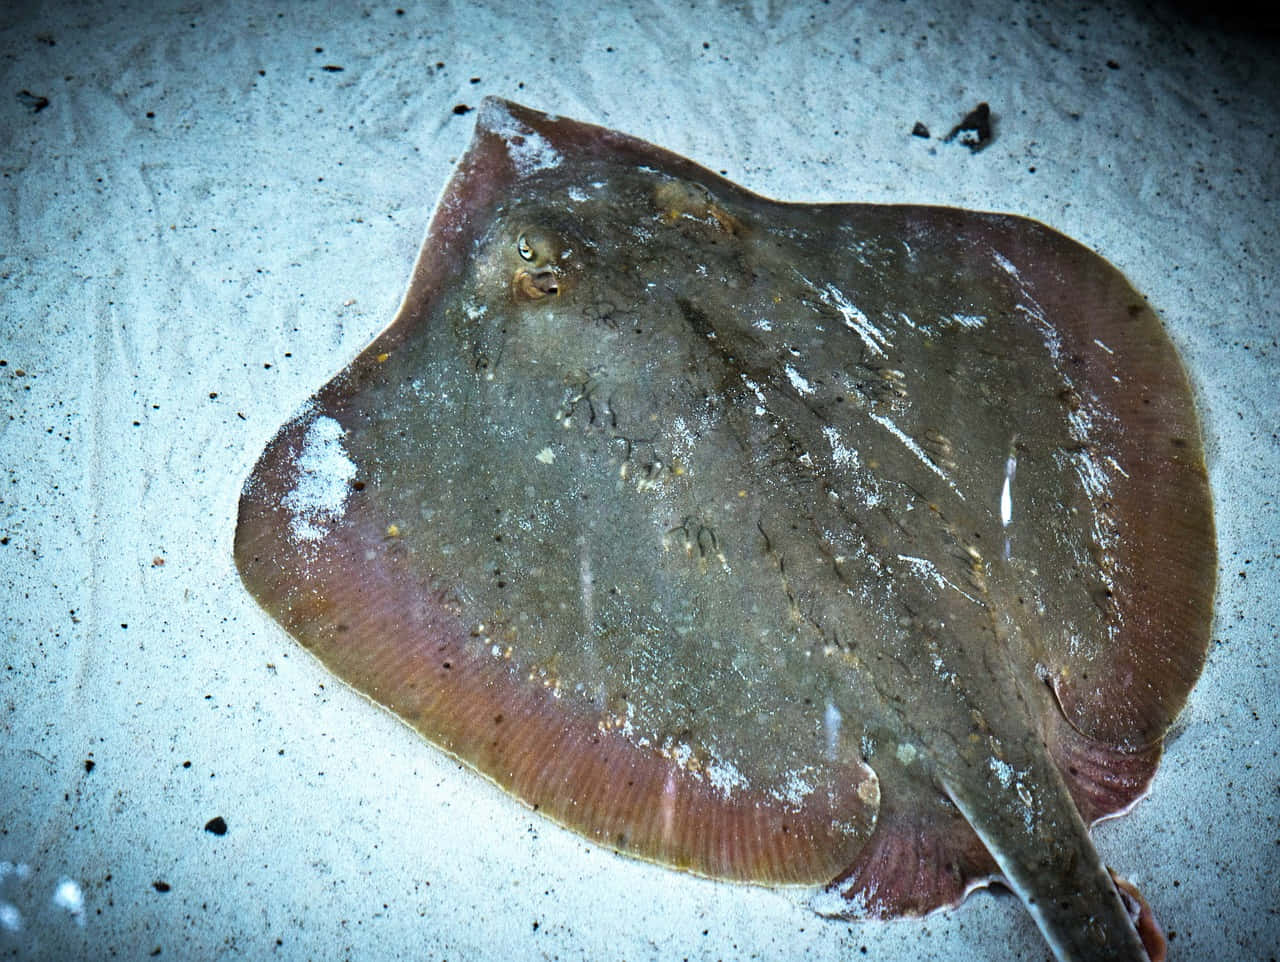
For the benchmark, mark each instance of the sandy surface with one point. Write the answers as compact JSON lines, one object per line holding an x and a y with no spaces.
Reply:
{"x":205,"y":222}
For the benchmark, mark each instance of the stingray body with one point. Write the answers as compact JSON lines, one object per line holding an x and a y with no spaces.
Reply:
{"x":846,"y":545}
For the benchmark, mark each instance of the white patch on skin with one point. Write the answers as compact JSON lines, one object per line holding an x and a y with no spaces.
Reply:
{"x":906,"y":753}
{"x":971,"y":321}
{"x":831,"y":723}
{"x":755,"y":389}
{"x":586,"y":583}
{"x":527,"y":148}
{"x":864,"y":486}
{"x":578,"y":195}
{"x":795,"y":791}
{"x":915,"y":449}
{"x":874,"y":338}
{"x":724,"y":776}
{"x":798,"y":382}
{"x":1002,"y":771}
{"x":845,"y":457}
{"x":926,"y":569}
{"x":940,"y":667}
{"x":1006,"y":493}
{"x":319,"y":495}
{"x":764,"y":324}
{"x":1006,"y":265}
{"x":1116,"y":464}
{"x":545,"y":456}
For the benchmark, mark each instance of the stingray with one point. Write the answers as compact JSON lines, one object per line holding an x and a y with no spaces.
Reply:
{"x":862,"y":547}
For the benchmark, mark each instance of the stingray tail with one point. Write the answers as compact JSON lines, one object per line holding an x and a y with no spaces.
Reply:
{"x":1031,"y":827}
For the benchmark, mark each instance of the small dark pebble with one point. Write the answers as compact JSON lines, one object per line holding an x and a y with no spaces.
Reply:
{"x":461,"y":109}
{"x":160,"y":886}
{"x":216,"y":825}
{"x":332,"y":68}
{"x":1113,"y":65}
{"x":975,"y":130}
{"x":920,"y":130}
{"x":33,"y":102}
{"x":88,"y":764}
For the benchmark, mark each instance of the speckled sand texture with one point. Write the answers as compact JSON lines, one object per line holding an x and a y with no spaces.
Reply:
{"x":218,"y":206}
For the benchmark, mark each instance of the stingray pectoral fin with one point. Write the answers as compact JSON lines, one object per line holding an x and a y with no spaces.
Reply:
{"x":1104,"y":779}
{"x":1155,"y":594}
{"x":1030,"y":825}
{"x":345,"y":582}
{"x":921,"y":856}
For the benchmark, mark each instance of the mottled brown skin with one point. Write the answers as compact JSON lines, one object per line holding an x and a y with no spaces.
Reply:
{"x":682,"y":515}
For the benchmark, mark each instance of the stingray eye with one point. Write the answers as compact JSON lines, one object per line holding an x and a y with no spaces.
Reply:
{"x":523,"y":249}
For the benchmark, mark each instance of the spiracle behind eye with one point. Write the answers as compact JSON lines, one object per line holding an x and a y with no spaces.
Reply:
{"x":537,"y":285}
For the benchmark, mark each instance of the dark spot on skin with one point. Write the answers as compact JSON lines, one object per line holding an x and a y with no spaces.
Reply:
{"x":216,"y":825}
{"x":1178,"y":442}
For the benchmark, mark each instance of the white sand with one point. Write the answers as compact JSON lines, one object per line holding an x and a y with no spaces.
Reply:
{"x":173,"y":287}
